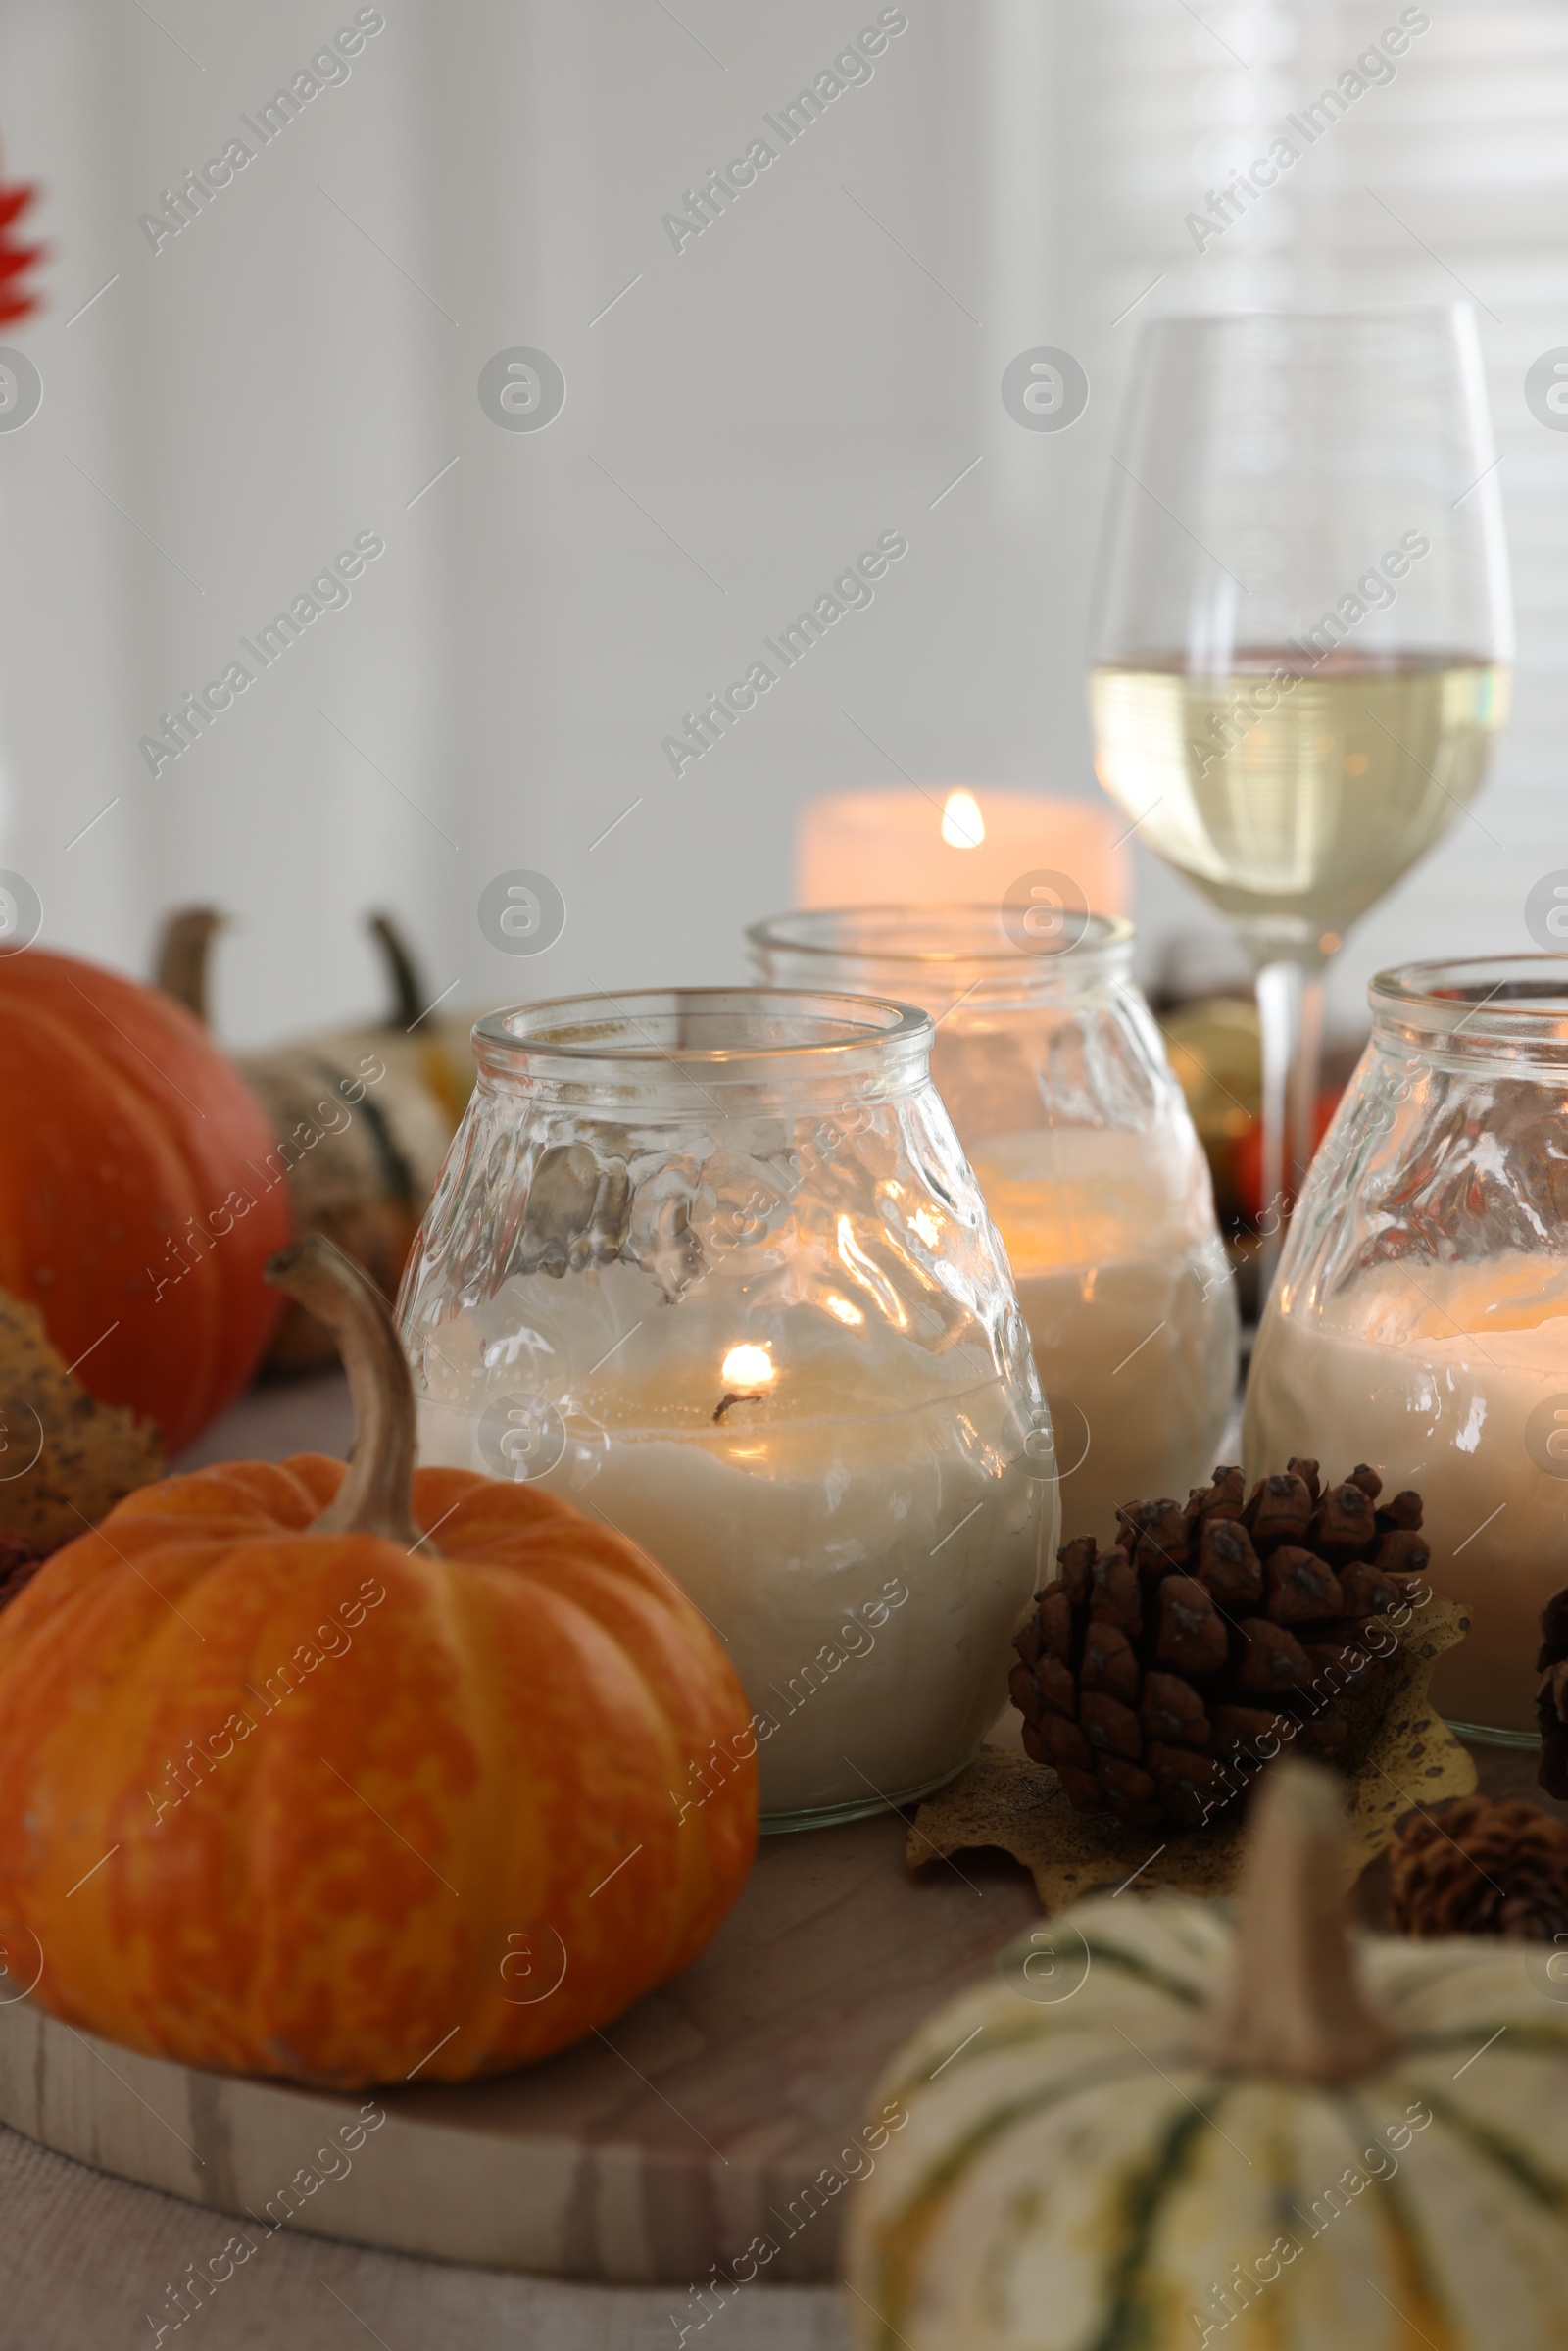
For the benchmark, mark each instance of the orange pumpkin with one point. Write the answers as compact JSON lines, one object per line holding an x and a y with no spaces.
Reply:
{"x":286,"y":1790}
{"x":136,"y":1205}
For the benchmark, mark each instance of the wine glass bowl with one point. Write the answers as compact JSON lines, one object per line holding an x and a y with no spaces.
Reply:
{"x":1296,"y":792}
{"x":1302,"y":630}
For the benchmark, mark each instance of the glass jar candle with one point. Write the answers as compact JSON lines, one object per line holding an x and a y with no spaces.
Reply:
{"x":710,"y":1264}
{"x":1052,"y":1067}
{"x":1420,"y":1318}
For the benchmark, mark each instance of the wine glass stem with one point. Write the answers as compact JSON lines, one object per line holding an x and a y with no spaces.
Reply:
{"x":1306,"y":1078}
{"x":1279,"y":1018}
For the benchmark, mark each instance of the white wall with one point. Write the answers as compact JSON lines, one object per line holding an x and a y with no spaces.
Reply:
{"x":750,"y":415}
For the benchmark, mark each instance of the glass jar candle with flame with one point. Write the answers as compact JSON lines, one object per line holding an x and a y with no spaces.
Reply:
{"x":710,"y":1263}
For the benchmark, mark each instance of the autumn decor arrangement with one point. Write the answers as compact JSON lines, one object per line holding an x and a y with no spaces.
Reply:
{"x":360,"y":1118}
{"x":328,"y":1773}
{"x":1481,"y":1868}
{"x":1157,"y":2125}
{"x":137,"y":1204}
{"x":1157,"y":1677}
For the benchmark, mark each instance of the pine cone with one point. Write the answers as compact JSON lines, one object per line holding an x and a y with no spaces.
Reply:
{"x":1474,"y":1867}
{"x":1159,"y":1676}
{"x":1552,"y":1699}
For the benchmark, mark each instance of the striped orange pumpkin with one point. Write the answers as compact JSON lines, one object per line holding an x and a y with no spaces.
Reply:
{"x":293,"y":1781}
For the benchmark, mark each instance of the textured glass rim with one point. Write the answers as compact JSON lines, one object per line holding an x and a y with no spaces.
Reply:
{"x":1102,"y":932}
{"x":554,"y":1033}
{"x":1387,"y":314}
{"x":1451,"y":997}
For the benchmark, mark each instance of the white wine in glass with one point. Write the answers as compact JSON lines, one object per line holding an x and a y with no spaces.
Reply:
{"x":1302,"y":633}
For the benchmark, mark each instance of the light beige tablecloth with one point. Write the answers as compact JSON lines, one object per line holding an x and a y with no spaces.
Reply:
{"x":87,"y":2261}
{"x":86,"y":2264}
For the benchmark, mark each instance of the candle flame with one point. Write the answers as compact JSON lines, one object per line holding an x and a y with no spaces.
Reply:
{"x":963,"y":825}
{"x":746,"y":1367}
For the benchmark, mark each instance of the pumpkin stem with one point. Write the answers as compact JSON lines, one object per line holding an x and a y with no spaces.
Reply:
{"x":375,"y":1497}
{"x":182,"y":956}
{"x":1293,"y":2006}
{"x":410,"y":1000}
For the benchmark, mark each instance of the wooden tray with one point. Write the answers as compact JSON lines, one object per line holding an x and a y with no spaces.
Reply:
{"x":718,"y":2110}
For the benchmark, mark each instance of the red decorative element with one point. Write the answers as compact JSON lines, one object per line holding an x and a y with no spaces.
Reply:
{"x":1246,"y":1153}
{"x":16,"y":301}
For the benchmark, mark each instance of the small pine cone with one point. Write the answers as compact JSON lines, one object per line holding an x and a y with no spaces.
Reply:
{"x":1401,"y":1552}
{"x":1024,"y":1692}
{"x":1157,"y":1677}
{"x":1228,"y":1566}
{"x":1110,"y":1726}
{"x":1115,"y":1595}
{"x":1279,"y":1509}
{"x":1172,"y":1712}
{"x":1306,"y":1471}
{"x":1054,"y":1624}
{"x":1225,"y":1498}
{"x":1065,"y":1744}
{"x":1302,"y":1589}
{"x":1156,"y":1536}
{"x":1479,"y":1868}
{"x":1109,"y":1663}
{"x":1076,"y":1560}
{"x":1192,"y":1785}
{"x":1273,"y":1658}
{"x":1129,"y":1791}
{"x":1084,"y":1790}
{"x":1192,"y":1631}
{"x":1368,"y":1589}
{"x":1344,"y":1523}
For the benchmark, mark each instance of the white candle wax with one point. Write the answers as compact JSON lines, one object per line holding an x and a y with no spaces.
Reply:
{"x":1443,"y":1377}
{"x":1126,"y":1292}
{"x":856,"y":1523}
{"x":909,"y":846}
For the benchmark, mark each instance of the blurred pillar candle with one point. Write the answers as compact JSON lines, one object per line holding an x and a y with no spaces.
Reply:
{"x":949,"y":843}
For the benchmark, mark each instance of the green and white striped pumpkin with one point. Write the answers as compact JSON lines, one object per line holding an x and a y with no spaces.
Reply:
{"x":1076,"y":2174}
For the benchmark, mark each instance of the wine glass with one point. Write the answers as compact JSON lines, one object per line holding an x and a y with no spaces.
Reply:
{"x":1300,"y":636}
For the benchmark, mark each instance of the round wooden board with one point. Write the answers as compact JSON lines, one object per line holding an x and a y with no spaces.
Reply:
{"x":718,"y":2110}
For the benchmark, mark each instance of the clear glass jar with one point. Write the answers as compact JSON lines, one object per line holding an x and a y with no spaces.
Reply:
{"x":710,"y":1264}
{"x":1052,"y":1066}
{"x":1420,"y":1318}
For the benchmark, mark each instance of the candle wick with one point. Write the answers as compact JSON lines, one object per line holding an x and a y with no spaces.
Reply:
{"x":735,"y":1396}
